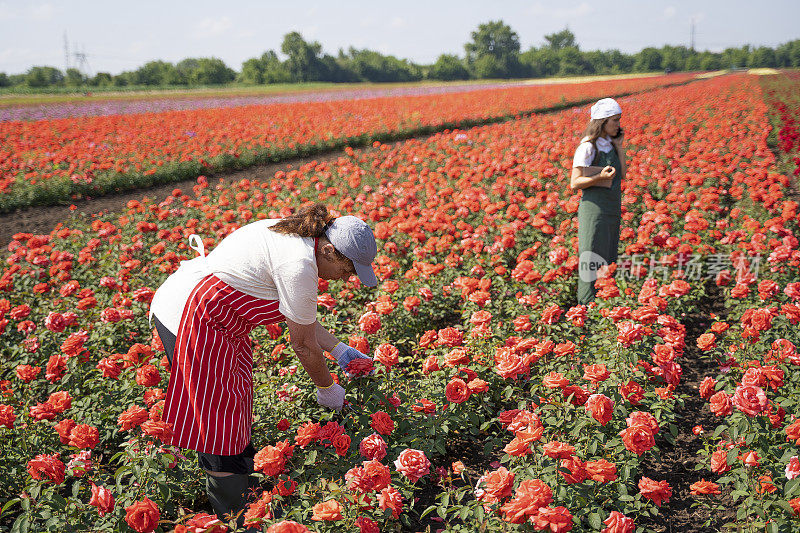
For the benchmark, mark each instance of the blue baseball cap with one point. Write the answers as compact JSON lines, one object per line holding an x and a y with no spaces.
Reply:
{"x":354,"y":239}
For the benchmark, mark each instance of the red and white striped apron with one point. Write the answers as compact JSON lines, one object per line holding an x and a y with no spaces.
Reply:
{"x":209,"y":401}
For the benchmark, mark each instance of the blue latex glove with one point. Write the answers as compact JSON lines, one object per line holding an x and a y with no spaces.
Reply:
{"x":344,"y":354}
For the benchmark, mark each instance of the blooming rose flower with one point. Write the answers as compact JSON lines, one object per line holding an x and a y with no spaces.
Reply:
{"x":495,"y":485}
{"x":457,"y":391}
{"x":707,"y":387}
{"x":390,"y":498}
{"x":596,"y":373}
{"x":721,"y":404}
{"x":559,"y":450}
{"x":148,"y":376}
{"x":412,"y":464}
{"x":7,"y":416}
{"x":601,"y":408}
{"x":555,"y":519}
{"x":27,"y":373}
{"x":601,"y":470}
{"x":269,"y":460}
{"x":658,"y":491}
{"x":369,"y":322}
{"x":382,"y":423}
{"x":528,"y":498}
{"x":704,"y":487}
{"x":618,"y":523}
{"x":573,"y":470}
{"x":287,"y":526}
{"x":719,"y":461}
{"x":632,"y":391}
{"x":750,"y":400}
{"x":373,"y":447}
{"x":143,"y":516}
{"x":84,"y":436}
{"x":102,"y":499}
{"x":47,"y":466}
{"x":387,"y":355}
{"x":793,"y":468}
{"x":367,"y":525}
{"x":328,"y":511}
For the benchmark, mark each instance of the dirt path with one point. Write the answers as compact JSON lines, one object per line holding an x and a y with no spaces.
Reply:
{"x":42,"y":219}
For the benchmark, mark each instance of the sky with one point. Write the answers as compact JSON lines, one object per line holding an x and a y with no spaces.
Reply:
{"x":118,"y":36}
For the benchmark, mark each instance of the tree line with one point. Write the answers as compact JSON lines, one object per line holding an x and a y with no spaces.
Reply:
{"x":493,"y":52}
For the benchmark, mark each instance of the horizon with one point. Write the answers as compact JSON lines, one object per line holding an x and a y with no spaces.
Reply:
{"x":38,"y":31}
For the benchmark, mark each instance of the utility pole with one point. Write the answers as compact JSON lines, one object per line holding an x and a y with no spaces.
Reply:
{"x":82,"y":63}
{"x":691,"y":46}
{"x":66,"y":52}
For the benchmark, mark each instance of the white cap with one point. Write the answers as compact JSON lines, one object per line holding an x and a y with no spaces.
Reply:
{"x":607,"y":107}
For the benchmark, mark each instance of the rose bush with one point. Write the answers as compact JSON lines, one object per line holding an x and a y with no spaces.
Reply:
{"x":495,"y":399}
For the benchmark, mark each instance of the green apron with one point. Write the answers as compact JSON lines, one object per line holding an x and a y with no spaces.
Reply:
{"x":599,"y":217}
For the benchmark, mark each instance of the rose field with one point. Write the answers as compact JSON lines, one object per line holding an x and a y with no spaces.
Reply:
{"x":46,"y":162}
{"x":497,"y":403}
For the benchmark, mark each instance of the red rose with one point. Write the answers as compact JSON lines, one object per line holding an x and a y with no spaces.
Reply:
{"x":618,"y":523}
{"x":342,"y":444}
{"x":47,"y":466}
{"x":387,"y":355}
{"x":658,"y":491}
{"x":84,"y":436}
{"x":143,"y":516}
{"x":750,"y":400}
{"x":27,"y":372}
{"x":102,"y":499}
{"x":707,"y":341}
{"x":373,"y":447}
{"x":328,"y":511}
{"x":60,"y":401}
{"x":7,"y":416}
{"x":596,"y":373}
{"x":457,"y":391}
{"x":495,"y":485}
{"x":601,"y":470}
{"x":148,"y":376}
{"x":555,"y":519}
{"x":412,"y":464}
{"x":390,"y":498}
{"x":269,"y":460}
{"x":601,"y":408}
{"x":132,"y":417}
{"x":360,"y":367}
{"x":287,"y":526}
{"x":559,"y":450}
{"x":382,"y":423}
{"x":721,"y":404}
{"x":370,"y":322}
{"x":704,"y":487}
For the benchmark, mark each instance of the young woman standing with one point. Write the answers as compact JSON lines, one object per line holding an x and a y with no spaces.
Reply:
{"x":598,"y":168}
{"x":262,"y":273}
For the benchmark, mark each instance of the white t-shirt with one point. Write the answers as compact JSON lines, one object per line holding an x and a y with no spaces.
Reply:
{"x":256,"y":261}
{"x":585,"y":153}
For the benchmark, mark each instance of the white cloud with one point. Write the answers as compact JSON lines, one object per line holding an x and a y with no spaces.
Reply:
{"x":213,"y":26}
{"x":581,"y":10}
{"x":398,"y":22}
{"x":366,"y":22}
{"x":669,"y":12}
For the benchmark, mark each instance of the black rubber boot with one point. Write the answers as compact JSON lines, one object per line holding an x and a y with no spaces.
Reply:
{"x":228,"y":495}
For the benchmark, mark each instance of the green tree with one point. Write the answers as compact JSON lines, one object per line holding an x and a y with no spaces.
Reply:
{"x":648,"y":60}
{"x":571,"y":62}
{"x":44,"y":77}
{"x":736,"y":57}
{"x":448,"y":67}
{"x":153,"y":73}
{"x":373,"y":66}
{"x":212,"y":71}
{"x":303,"y":57}
{"x":74,"y":78}
{"x":540,"y":62}
{"x":496,"y":40}
{"x":4,"y":80}
{"x":561,"y":39}
{"x":101,"y":79}
{"x":762,"y":57}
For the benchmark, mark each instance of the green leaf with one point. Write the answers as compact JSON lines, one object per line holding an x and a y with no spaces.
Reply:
{"x":594,"y":521}
{"x":21,"y":525}
{"x":311,"y":458}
